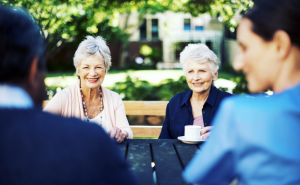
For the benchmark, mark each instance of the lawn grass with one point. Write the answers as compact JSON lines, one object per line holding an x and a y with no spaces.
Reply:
{"x":154,"y":77}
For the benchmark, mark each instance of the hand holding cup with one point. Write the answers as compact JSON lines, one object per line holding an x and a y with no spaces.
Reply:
{"x":205,"y":132}
{"x":194,"y":132}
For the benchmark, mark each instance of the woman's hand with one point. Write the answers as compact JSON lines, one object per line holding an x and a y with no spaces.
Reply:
{"x":117,"y":134}
{"x":205,"y":132}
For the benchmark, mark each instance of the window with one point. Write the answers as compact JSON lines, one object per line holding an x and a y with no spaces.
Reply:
{"x":154,"y":28}
{"x":143,"y":30}
{"x":199,"y":28}
{"x":187,"y":25}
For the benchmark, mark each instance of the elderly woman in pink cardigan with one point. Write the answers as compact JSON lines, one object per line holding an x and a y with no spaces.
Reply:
{"x":87,"y":99}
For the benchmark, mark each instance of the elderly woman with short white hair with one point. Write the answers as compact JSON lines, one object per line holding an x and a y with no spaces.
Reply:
{"x":198,"y":105}
{"x":88,"y":99}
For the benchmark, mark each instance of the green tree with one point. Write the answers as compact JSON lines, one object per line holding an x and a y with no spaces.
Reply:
{"x":225,"y":10}
{"x":65,"y":21}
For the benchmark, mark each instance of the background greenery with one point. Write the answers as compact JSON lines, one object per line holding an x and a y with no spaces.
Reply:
{"x":143,"y":84}
{"x":64,"y":24}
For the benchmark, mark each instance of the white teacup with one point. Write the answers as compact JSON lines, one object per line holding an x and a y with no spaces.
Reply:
{"x":192,"y":132}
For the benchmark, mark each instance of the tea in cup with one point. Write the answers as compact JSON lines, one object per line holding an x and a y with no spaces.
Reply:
{"x":192,"y":132}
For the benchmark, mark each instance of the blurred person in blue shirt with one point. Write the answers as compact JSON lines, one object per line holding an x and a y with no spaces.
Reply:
{"x":257,"y":139}
{"x":198,"y":105}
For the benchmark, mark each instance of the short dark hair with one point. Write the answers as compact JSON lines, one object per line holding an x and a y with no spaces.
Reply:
{"x":269,"y":16}
{"x":20,"y":42}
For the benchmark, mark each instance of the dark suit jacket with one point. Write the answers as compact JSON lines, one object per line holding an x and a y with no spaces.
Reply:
{"x":40,"y":148}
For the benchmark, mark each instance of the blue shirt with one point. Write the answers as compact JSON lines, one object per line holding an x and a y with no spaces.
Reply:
{"x":14,"y":97}
{"x":255,"y":139}
{"x":179,"y":112}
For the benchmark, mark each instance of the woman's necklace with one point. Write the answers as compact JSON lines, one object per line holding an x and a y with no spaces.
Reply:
{"x":84,"y":105}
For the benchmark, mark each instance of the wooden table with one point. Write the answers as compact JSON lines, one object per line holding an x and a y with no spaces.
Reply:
{"x":169,"y":155}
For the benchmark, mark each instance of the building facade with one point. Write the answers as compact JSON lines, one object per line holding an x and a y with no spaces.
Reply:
{"x":172,"y":32}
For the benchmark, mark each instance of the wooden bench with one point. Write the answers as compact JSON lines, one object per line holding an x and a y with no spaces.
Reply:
{"x":142,"y":108}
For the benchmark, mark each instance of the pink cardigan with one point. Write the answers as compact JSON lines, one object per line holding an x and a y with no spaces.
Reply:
{"x":68,"y":103}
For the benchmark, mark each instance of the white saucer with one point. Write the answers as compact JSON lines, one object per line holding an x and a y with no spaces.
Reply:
{"x":183,"y":139}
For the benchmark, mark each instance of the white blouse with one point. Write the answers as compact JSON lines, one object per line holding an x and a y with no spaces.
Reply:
{"x":100,"y":120}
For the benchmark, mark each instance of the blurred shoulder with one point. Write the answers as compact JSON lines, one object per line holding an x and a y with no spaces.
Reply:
{"x":34,"y":119}
{"x":286,"y":100}
{"x":250,"y":103}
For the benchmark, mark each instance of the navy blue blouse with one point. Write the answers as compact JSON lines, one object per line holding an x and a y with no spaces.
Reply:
{"x":179,"y":112}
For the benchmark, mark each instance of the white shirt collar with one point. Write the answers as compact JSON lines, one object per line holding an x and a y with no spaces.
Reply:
{"x":14,"y":97}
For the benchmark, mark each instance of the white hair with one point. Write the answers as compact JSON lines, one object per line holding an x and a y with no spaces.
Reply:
{"x":91,"y":47}
{"x":199,"y":53}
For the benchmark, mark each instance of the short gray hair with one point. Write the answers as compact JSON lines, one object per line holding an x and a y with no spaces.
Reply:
{"x":92,"y":46}
{"x":199,"y":53}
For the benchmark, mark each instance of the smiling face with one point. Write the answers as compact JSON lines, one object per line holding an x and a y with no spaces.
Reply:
{"x":92,"y":72}
{"x":257,"y":58}
{"x":199,"y":76}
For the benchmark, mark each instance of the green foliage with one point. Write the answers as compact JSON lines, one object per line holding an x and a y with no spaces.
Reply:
{"x":241,"y":85}
{"x":156,"y":54}
{"x":59,"y":66}
{"x":170,"y":87}
{"x":134,"y":89}
{"x":225,"y":10}
{"x":239,"y":78}
{"x":69,"y":21}
{"x":146,"y":50}
{"x":152,"y":56}
{"x":63,"y":22}
{"x":111,"y":33}
{"x":223,"y":89}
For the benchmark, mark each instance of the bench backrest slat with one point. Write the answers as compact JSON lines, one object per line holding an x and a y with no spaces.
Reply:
{"x":149,"y":108}
{"x":146,"y":131}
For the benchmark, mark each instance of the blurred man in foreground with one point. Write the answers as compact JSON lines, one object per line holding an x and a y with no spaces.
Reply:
{"x":37,"y":147}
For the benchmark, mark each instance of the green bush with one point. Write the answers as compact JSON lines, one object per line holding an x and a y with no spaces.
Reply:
{"x":169,"y":87}
{"x":135,"y":89}
{"x":239,"y":79}
{"x":241,"y":85}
